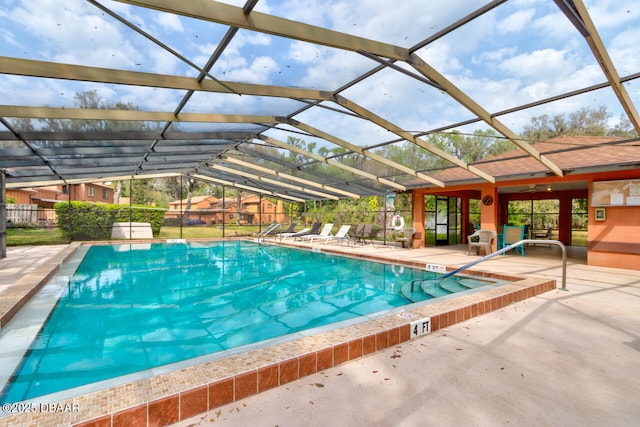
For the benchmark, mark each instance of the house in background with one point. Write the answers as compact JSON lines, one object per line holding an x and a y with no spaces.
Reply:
{"x":93,"y":192}
{"x":258,"y":210}
{"x":46,"y":197}
{"x":253,"y":209}
{"x":35,"y":205}
{"x":201,"y":209}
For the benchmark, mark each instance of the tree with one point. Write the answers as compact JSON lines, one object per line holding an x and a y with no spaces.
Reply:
{"x":585,"y":121}
{"x":141,"y":192}
{"x":623,"y":128}
{"x":471,"y":148}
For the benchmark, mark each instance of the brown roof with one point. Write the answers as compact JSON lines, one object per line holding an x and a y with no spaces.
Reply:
{"x":194,"y":200}
{"x":569,"y":153}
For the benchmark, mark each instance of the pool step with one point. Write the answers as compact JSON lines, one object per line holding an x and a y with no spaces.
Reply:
{"x":422,"y":289}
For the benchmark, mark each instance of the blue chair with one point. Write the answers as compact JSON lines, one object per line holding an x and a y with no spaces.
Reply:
{"x":513,"y":234}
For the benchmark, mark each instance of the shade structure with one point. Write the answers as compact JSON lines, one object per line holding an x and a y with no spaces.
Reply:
{"x":305,"y":103}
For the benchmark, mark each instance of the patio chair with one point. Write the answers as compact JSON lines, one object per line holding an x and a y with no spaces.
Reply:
{"x":358,"y":232}
{"x":545,"y":235}
{"x":364,"y":234}
{"x":513,"y":234}
{"x":406,"y":238}
{"x":485,"y":239}
{"x":326,"y":231}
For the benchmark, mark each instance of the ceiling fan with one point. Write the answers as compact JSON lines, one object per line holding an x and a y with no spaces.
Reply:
{"x":533,"y":188}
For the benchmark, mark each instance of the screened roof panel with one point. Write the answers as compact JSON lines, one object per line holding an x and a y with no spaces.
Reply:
{"x":222,"y":103}
{"x":483,"y":59}
{"x":110,"y":89}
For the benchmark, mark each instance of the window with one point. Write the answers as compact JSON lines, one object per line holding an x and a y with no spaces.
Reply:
{"x":90,"y":191}
{"x":535,"y":215}
{"x":579,"y":222}
{"x":105,"y":194}
{"x":474,"y":212}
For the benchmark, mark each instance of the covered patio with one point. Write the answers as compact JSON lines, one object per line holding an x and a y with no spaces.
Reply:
{"x":587,"y":160}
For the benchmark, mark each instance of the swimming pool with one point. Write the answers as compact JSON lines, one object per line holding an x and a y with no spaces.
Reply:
{"x":188,"y":300}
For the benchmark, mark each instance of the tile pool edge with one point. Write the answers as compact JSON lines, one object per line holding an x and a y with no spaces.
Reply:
{"x":19,"y":293}
{"x":181,"y":394}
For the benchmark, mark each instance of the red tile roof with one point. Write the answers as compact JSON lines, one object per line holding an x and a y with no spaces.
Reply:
{"x":569,"y":153}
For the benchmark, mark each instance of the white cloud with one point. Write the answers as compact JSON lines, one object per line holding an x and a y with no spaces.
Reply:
{"x":494,"y":56}
{"x":608,"y":14}
{"x":169,"y":22}
{"x":257,"y":72}
{"x":516,"y":21}
{"x":624,"y":51}
{"x":540,"y":64}
{"x":554,"y":26}
{"x":75,"y":34}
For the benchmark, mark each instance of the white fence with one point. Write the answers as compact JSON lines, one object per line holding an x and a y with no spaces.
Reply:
{"x":18,"y":214}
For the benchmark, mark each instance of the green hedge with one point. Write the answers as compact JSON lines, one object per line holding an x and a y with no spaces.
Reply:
{"x":89,"y":221}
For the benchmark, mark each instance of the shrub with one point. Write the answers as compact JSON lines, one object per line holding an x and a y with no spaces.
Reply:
{"x":89,"y":221}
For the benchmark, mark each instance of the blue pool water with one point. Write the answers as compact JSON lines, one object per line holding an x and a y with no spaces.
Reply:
{"x":131,"y":308}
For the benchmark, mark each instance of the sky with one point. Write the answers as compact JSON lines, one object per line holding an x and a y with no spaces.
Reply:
{"x":522,"y":51}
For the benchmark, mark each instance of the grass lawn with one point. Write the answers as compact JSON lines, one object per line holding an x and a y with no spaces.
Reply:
{"x":34,"y":236}
{"x":207,"y":231}
{"x":51,"y":236}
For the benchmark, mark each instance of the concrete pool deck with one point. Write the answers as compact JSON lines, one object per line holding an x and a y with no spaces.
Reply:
{"x":559,"y":358}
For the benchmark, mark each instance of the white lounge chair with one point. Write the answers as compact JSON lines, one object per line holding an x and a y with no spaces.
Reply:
{"x":341,"y":235}
{"x":326,"y":231}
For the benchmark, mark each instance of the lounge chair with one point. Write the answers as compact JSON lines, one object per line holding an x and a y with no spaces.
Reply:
{"x":341,"y":235}
{"x":297,"y":233}
{"x":485,"y":238}
{"x":313,"y":230}
{"x":545,"y":235}
{"x":289,"y":229}
{"x":326,"y":231}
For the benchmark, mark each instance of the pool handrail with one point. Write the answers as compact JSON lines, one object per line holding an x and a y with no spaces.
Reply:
{"x":268,"y":230}
{"x":513,"y":246}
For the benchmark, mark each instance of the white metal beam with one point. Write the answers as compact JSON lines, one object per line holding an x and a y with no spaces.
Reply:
{"x":332,"y":162}
{"x":466,"y":101}
{"x":290,"y":177}
{"x":366,"y":153}
{"x":247,"y":175}
{"x":247,"y":187}
{"x":221,"y":13}
{"x":362,"y":112}
{"x":54,"y":70}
